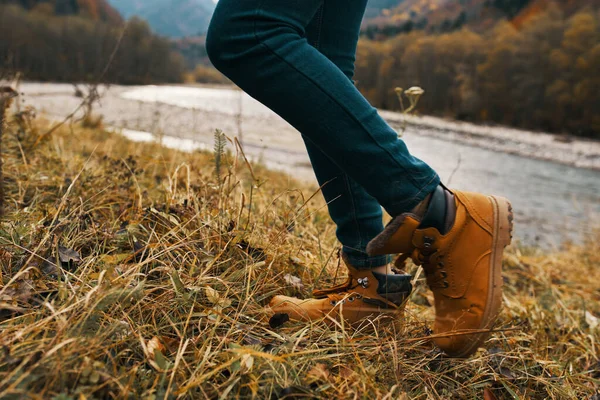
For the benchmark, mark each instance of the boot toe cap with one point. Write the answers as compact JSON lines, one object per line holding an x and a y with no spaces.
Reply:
{"x":296,"y":309}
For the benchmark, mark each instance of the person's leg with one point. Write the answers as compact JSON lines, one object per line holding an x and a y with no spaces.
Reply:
{"x":357,"y":214}
{"x":459,"y":238}
{"x":261,"y":46}
{"x":334,"y":31}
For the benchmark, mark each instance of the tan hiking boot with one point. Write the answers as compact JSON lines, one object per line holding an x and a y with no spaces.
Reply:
{"x":459,"y":242}
{"x":365,"y":294}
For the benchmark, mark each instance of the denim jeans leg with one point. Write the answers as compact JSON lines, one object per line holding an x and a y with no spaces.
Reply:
{"x":261,"y":45}
{"x":334,"y":31}
{"x":357,"y":215}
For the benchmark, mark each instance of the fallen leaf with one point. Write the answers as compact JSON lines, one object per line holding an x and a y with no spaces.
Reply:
{"x":177,"y":283}
{"x":488,"y":394}
{"x":139,"y":252}
{"x":591,"y":320}
{"x":94,"y":377}
{"x":252,"y":340}
{"x":216,"y":298}
{"x":345,"y":372}
{"x":171,"y":345}
{"x":212,"y":295}
{"x":160,"y":360}
{"x":293,"y":281}
{"x":154,"y":344}
{"x":318,"y":373}
{"x":278,"y":319}
{"x":246,"y":363}
{"x":68,"y":256}
{"x":155,"y":353}
{"x":507,"y":373}
{"x":114,"y":259}
{"x":50,"y":269}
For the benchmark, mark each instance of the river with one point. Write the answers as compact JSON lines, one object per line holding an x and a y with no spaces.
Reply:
{"x":553,"y":202}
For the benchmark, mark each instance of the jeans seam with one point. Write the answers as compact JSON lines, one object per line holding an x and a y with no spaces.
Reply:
{"x":319,"y":25}
{"x":408,"y":201}
{"x":354,"y":217}
{"x":339,"y":104}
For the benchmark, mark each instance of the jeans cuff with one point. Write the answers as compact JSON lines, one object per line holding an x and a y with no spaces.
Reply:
{"x":360,"y":260}
{"x":409,"y":204}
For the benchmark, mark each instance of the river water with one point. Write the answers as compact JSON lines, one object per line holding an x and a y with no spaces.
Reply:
{"x":552,"y":202}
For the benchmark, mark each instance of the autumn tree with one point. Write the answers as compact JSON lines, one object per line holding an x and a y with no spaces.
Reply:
{"x":542,"y":75}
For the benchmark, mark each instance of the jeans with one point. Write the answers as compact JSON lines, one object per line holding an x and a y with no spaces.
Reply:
{"x":297,"y":58}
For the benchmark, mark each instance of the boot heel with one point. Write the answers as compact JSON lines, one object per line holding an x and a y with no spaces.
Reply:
{"x":504,"y":221}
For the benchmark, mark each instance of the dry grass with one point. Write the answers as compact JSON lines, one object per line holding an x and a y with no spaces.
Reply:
{"x":128,"y":270}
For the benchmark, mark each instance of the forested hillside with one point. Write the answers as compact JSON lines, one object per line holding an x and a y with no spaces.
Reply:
{"x":541,"y":74}
{"x":93,"y":9}
{"x":387,"y":18}
{"x":73,"y":41}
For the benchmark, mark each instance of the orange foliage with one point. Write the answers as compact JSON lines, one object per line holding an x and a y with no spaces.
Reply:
{"x":542,"y":76}
{"x":536,"y":8}
{"x":90,"y":7}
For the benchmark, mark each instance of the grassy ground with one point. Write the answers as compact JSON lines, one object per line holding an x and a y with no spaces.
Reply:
{"x":129,"y":270}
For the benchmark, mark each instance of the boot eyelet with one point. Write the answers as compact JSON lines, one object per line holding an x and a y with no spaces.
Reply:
{"x":440,"y":265}
{"x":333,"y":302}
{"x":358,"y":296}
{"x":428,"y":241}
{"x":443,"y":274}
{"x":350,"y":299}
{"x":446,"y":284}
{"x":364,"y":282}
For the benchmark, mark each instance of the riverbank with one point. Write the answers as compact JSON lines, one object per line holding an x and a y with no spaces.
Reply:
{"x":553,"y":203}
{"x":568,"y":150}
{"x":131,"y":270}
{"x":137,"y":107}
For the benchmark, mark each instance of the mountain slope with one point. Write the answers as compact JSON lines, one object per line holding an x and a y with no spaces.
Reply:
{"x":387,"y":18}
{"x":176,"y":18}
{"x":94,"y":9}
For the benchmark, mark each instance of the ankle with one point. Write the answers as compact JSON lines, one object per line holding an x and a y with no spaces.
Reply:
{"x":384,"y":269}
{"x":421,"y":208}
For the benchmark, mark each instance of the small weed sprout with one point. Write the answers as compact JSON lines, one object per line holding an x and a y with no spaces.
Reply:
{"x":413,"y":94}
{"x":219,"y":152}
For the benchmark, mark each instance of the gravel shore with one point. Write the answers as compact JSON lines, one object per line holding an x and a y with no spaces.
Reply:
{"x":121,"y":108}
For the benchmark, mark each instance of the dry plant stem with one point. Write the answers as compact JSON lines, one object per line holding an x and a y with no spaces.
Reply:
{"x":2,"y":116}
{"x":6,"y":96}
{"x":455,"y":170}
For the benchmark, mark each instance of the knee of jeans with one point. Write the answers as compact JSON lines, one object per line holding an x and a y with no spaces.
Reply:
{"x":215,"y":45}
{"x":227,"y":49}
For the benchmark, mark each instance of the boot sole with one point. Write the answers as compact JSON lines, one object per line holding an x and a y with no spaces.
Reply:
{"x":503,"y":228}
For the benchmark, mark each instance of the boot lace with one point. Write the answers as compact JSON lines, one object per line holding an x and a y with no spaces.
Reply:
{"x":343,"y":298}
{"x":431,"y":259}
{"x":343,"y":287}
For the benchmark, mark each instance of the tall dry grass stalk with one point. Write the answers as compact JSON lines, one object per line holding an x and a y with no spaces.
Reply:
{"x":7,"y":94}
